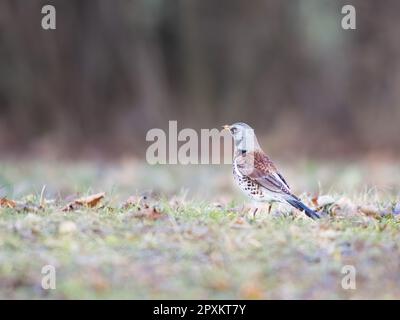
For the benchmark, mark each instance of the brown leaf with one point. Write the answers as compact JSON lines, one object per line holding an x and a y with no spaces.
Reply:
{"x":4,"y":202}
{"x":370,"y":211}
{"x":314,"y":200}
{"x":89,"y":201}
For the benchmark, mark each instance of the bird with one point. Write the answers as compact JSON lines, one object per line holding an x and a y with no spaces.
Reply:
{"x":255,"y":173}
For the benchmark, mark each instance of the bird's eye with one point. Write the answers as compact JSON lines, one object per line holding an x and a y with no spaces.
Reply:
{"x":233,"y":130}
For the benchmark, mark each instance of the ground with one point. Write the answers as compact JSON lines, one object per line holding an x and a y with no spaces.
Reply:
{"x":180,"y":245}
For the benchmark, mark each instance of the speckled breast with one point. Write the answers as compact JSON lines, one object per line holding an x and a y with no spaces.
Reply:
{"x":248,"y":186}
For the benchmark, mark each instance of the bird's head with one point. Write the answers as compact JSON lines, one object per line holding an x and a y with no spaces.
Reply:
{"x":243,"y":136}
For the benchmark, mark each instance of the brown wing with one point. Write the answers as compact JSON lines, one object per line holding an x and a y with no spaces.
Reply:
{"x":258,"y":167}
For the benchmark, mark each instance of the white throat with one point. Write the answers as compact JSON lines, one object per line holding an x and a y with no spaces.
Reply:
{"x":247,"y":141}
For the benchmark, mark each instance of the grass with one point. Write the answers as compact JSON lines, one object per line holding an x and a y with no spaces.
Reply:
{"x":172,"y":246}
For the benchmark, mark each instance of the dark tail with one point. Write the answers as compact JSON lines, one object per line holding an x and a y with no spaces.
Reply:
{"x":302,"y":207}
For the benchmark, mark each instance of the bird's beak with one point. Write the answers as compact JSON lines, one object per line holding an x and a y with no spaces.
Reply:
{"x":226,"y":127}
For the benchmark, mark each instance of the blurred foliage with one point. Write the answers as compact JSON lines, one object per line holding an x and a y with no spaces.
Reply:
{"x":114,"y":69}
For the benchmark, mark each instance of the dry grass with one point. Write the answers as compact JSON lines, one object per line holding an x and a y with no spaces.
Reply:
{"x":191,"y":244}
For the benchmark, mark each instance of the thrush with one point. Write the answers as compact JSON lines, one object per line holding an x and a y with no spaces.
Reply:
{"x":256,"y":175}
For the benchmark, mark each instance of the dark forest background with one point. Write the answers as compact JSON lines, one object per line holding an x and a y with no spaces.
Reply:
{"x":113,"y":69}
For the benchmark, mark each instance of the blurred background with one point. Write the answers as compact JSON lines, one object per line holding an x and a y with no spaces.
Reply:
{"x":112,"y":70}
{"x":76,"y":104}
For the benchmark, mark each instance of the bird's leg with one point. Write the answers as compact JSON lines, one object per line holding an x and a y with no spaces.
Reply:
{"x":254,"y":212}
{"x":269,"y":207}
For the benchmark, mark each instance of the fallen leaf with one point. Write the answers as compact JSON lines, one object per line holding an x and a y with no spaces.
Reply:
{"x":4,"y":202}
{"x":369,"y":211}
{"x":89,"y":201}
{"x":314,"y":200}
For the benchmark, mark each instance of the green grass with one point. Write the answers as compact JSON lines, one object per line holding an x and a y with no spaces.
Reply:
{"x":192,"y":248}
